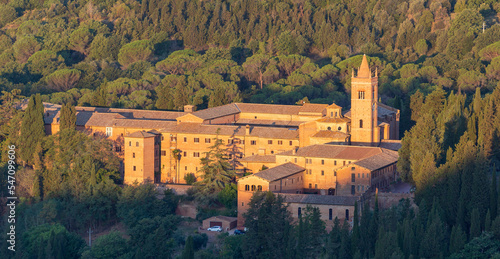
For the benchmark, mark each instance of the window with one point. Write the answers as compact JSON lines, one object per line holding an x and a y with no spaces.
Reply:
{"x":363,"y":188}
{"x":329,"y":128}
{"x":322,"y":162}
{"x":363,"y":175}
{"x":185,"y":139}
{"x":136,"y":144}
{"x":185,"y":154}
{"x":358,"y":188}
{"x":339,"y":128}
{"x":259,"y":188}
{"x":196,"y":140}
{"x":344,"y":162}
{"x":207,"y":140}
{"x":295,"y":160}
{"x":253,"y":188}
{"x":336,"y":114}
{"x":280,"y":142}
{"x":186,"y":168}
{"x":253,"y":142}
{"x":118,"y":149}
{"x":316,"y":186}
{"x":109,"y":131}
{"x":361,"y":94}
{"x":300,"y":212}
{"x":310,"y":186}
{"x":134,"y":168}
{"x":335,"y":162}
{"x":361,"y":123}
{"x":335,"y":173}
{"x":247,"y":187}
{"x":359,"y":175}
{"x":322,"y":172}
{"x":163,"y":153}
{"x":346,"y":214}
{"x":353,"y":168}
{"x":270,"y":142}
{"x":242,"y":204}
{"x":133,"y":155}
{"x":353,"y":189}
{"x":130,"y":143}
{"x":290,"y":142}
{"x":353,"y":178}
{"x":196,"y":154}
{"x":162,"y":138}
{"x":331,"y":114}
{"x":330,"y":214}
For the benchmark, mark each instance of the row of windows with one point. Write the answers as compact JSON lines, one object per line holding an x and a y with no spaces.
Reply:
{"x":309,"y":161}
{"x":230,"y":141}
{"x":130,"y":143}
{"x":253,"y":188}
{"x":330,"y":213}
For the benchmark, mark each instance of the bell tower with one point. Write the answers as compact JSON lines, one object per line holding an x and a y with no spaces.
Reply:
{"x":364,"y":105}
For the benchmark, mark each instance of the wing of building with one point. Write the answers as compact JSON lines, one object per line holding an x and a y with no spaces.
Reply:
{"x":339,"y":153}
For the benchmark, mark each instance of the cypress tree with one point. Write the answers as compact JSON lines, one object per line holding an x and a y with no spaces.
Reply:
{"x":32,"y":129}
{"x":188,"y":252}
{"x":68,"y":117}
{"x":475,"y":225}
{"x":457,"y":239}
{"x":493,"y":195}
{"x":355,"y":228}
{"x":487,"y":221}
{"x":374,"y":227}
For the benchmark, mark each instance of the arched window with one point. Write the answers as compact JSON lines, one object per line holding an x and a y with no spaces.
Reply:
{"x":300,"y":212}
{"x":136,"y":144}
{"x":361,"y":123}
{"x":259,"y":188}
{"x":330,"y":214}
{"x":247,"y":187}
{"x":253,"y":188}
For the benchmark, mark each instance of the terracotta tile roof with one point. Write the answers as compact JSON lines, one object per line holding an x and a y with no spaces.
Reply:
{"x":224,"y":218}
{"x":335,"y":151}
{"x":143,"y":124}
{"x":102,"y":119}
{"x":230,"y":130}
{"x":140,"y":134}
{"x":312,"y":108}
{"x":387,"y":157}
{"x":391,"y":144}
{"x":268,"y":108}
{"x":320,"y":199}
{"x":259,"y":158}
{"x":83,"y":117}
{"x":383,"y":110}
{"x":216,"y":112}
{"x":333,"y":105}
{"x":135,"y":113}
{"x":268,"y":122}
{"x":279,"y":172}
{"x":330,"y":134}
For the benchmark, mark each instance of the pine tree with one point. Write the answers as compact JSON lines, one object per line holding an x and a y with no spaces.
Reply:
{"x":188,"y":252}
{"x":68,"y":117}
{"x":32,"y":129}
{"x":475,"y":224}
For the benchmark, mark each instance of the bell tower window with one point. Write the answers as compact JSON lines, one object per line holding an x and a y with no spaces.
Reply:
{"x":361,"y":94}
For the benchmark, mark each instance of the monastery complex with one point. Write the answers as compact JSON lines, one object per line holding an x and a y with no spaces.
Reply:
{"x":315,"y":154}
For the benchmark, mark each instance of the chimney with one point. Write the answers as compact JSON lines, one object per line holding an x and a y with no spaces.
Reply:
{"x":189,"y":108}
{"x":247,"y":130}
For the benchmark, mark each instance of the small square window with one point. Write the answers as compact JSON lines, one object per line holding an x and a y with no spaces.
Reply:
{"x":291,"y":143}
{"x":207,"y":140}
{"x":196,"y":140}
{"x":270,"y":142}
{"x":253,"y":142}
{"x":163,"y":153}
{"x":280,"y":142}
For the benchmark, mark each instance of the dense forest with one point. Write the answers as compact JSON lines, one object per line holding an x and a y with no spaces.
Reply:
{"x":438,"y":61}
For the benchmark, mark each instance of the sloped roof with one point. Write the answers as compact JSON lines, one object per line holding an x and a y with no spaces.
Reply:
{"x":333,"y":105}
{"x":334,"y":120}
{"x":229,"y":130}
{"x":259,"y":158}
{"x":269,"y":122}
{"x":143,"y":124}
{"x":103,"y":119}
{"x":335,"y":152}
{"x":387,"y":157}
{"x":216,"y":112}
{"x":364,"y":69}
{"x":140,"y":134}
{"x":279,"y":172}
{"x":320,"y":199}
{"x":312,"y":108}
{"x":391,"y":144}
{"x":268,"y":108}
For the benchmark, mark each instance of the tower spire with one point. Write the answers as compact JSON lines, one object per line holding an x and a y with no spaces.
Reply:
{"x":364,"y":69}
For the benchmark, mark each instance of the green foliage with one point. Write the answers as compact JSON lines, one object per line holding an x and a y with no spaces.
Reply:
{"x":190,"y":179}
{"x":67,"y":117}
{"x":32,"y":129}
{"x":228,"y":196}
{"x":52,"y":241}
{"x":108,"y":246}
{"x":63,"y":79}
{"x":188,"y":252}
{"x":151,"y":233}
{"x":135,"y":51}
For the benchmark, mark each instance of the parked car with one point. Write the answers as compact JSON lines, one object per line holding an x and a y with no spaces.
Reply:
{"x":239,"y":232}
{"x":215,"y":228}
